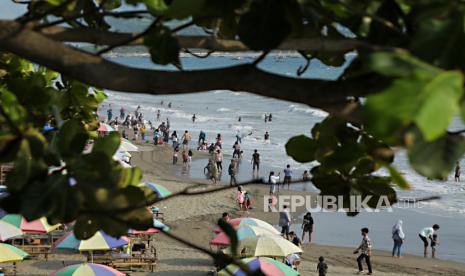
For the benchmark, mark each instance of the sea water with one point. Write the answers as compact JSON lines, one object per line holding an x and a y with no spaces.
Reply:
{"x":218,"y":112}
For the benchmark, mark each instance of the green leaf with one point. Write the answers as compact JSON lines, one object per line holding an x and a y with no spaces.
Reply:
{"x":163,"y":47}
{"x":181,"y":9}
{"x":435,"y":159}
{"x":441,"y":104}
{"x":156,"y":7}
{"x":398,"y":178}
{"x":108,"y":144}
{"x":72,"y":138}
{"x":301,"y":148}
{"x":265,"y":26}
{"x":12,"y":108}
{"x":19,"y":177}
{"x":376,"y":186}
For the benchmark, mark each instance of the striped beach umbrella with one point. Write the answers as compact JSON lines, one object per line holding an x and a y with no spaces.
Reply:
{"x":88,"y":270}
{"x":9,"y":253}
{"x":8,"y":231}
{"x":266,"y":246}
{"x":267,"y":266}
{"x":242,"y":232}
{"x":37,"y":226}
{"x":99,"y":241}
{"x":105,"y":128}
{"x":157,"y":188}
{"x":239,"y":222}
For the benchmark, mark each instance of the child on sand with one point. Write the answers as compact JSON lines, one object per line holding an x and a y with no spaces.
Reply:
{"x":322,"y":267}
{"x":248,"y":201}
{"x":365,"y":252}
{"x":434,"y":243}
{"x":175,"y":156}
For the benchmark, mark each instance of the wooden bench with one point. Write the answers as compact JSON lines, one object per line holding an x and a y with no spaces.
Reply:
{"x":134,"y":264}
{"x":35,"y":251}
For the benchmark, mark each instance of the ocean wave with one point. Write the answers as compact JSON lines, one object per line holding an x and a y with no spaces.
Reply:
{"x":223,"y":109}
{"x":308,"y":110}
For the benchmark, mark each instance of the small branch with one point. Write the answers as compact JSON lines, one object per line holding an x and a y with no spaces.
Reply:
{"x":303,"y":69}
{"x":197,"y":55}
{"x":182,"y":27}
{"x":260,"y":58}
{"x":129,"y":40}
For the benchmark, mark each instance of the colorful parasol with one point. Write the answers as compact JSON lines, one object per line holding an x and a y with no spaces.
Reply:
{"x":8,"y":231}
{"x":88,"y":270}
{"x":105,"y":128}
{"x":266,"y":246}
{"x":9,"y":253}
{"x":36,"y":226}
{"x":99,"y":241}
{"x":243,"y":232}
{"x":267,"y":266}
{"x":157,"y":188}
{"x":238,"y":222}
{"x":143,"y":232}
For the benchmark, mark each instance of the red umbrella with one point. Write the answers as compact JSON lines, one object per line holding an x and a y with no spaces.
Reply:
{"x":221,"y":240}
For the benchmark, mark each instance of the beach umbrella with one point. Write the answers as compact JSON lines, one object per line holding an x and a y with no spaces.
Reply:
{"x":88,"y":270}
{"x":267,"y":266}
{"x":8,"y":231}
{"x":242,"y":232}
{"x":266,"y":246}
{"x":99,"y":241}
{"x":157,"y":188}
{"x":9,"y":253}
{"x":238,"y":222}
{"x":143,"y":232}
{"x":105,"y":128}
{"x":127,"y":146}
{"x":160,"y":225}
{"x":37,"y":226}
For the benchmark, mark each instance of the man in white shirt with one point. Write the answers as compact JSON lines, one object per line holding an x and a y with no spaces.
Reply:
{"x":425,"y":234}
{"x":273,"y":180}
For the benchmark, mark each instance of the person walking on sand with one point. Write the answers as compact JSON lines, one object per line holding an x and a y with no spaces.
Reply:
{"x":307,"y":226}
{"x":457,"y":172}
{"x":285,"y":221}
{"x":232,"y":170}
{"x":425,"y":234}
{"x":255,"y":161}
{"x":365,"y":252}
{"x":398,"y":237}
{"x":287,"y":176}
{"x":322,"y":267}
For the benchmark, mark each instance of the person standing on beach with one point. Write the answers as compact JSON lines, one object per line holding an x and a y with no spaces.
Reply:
{"x":285,"y":221}
{"x":109,"y":114}
{"x":238,"y":137}
{"x":158,"y":115}
{"x":287,"y":176}
{"x":267,"y":136}
{"x":232,"y":170}
{"x":219,"y":141}
{"x":273,"y":179}
{"x":136,"y":130}
{"x":270,"y":118}
{"x":175,"y":156}
{"x":219,"y":159}
{"x":266,"y":118}
{"x":193,"y":118}
{"x":121,"y":113}
{"x":457,"y":172}
{"x":307,"y":226}
{"x":255,"y":161}
{"x":398,"y":237}
{"x":425,"y":234}
{"x":240,"y":198}
{"x":236,"y":150}
{"x":365,"y":252}
{"x":202,"y":137}
{"x":186,"y":137}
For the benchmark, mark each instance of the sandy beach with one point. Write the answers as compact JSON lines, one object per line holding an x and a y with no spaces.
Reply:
{"x":194,"y":217}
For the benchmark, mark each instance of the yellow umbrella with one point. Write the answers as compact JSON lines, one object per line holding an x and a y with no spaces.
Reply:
{"x":9,"y":253}
{"x":265,"y":246}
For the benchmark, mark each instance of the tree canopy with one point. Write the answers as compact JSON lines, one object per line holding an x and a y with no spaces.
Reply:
{"x":402,"y":89}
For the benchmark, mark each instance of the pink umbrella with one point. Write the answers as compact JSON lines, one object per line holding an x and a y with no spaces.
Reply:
{"x":143,"y":232}
{"x":221,"y":240}
{"x":105,"y":128}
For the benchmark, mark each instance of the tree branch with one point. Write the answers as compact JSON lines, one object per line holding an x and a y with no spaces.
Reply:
{"x":99,"y":72}
{"x":99,"y":37}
